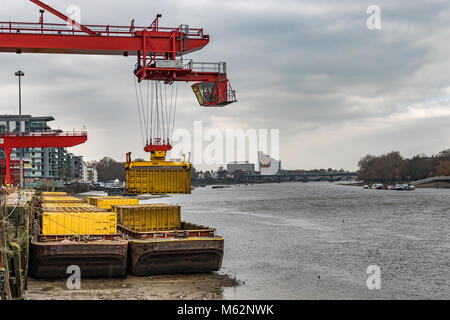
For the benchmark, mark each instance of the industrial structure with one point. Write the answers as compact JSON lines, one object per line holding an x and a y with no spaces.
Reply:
{"x":41,"y":163}
{"x":244,"y":166}
{"x":159,"y":51}
{"x":68,"y":231}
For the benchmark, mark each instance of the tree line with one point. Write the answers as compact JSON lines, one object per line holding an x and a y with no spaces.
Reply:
{"x":110,"y":169}
{"x":393,"y":167}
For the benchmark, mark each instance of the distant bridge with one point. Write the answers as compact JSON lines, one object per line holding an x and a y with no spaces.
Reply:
{"x":431,"y":179}
{"x":319,"y":174}
{"x":304,"y":176}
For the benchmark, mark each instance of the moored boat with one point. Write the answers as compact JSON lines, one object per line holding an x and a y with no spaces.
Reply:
{"x":194,"y":249}
{"x":100,"y":257}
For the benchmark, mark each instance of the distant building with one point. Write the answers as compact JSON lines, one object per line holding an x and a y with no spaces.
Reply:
{"x":42,"y":163}
{"x":267,"y":165}
{"x":244,"y":166}
{"x":92,"y":174}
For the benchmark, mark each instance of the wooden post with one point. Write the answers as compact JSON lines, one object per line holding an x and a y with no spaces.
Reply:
{"x":18,"y":272}
{"x":3,"y":248}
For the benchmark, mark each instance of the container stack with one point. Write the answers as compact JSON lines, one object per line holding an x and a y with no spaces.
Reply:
{"x":64,"y":215}
{"x":150,"y":217}
{"x":107,"y":202}
{"x":74,"y":232}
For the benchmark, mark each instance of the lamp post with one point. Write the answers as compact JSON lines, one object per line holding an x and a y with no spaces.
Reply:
{"x":20,"y":74}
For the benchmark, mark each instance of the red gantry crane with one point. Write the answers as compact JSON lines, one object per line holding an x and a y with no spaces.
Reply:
{"x":8,"y":141}
{"x":159,"y":52}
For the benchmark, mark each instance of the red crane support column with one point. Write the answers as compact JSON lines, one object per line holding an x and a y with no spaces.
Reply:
{"x":7,"y":166}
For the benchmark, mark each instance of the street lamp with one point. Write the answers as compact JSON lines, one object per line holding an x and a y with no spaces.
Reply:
{"x":20,"y":74}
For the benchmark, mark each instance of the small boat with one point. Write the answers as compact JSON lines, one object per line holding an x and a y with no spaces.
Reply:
{"x":365,"y":186}
{"x":377,"y":186}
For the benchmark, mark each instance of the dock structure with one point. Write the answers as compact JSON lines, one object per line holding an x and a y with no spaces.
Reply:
{"x":16,"y":220}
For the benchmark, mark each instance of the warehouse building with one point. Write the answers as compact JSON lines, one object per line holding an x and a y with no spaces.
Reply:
{"x":244,"y":166}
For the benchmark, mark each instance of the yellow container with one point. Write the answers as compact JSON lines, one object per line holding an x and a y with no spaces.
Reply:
{"x":73,"y":209}
{"x":91,"y":200}
{"x":67,"y":204}
{"x":146,"y":218}
{"x":92,"y":223}
{"x":54,"y":194}
{"x":157,"y":180}
{"x":46,"y":199}
{"x":106,"y":203}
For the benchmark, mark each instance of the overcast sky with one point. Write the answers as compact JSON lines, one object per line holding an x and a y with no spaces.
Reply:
{"x":334,"y":88}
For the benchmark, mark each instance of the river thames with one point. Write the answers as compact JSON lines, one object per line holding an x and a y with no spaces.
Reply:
{"x":301,"y":241}
{"x":316,"y":240}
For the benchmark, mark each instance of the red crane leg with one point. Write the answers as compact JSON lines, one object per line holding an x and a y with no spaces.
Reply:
{"x":7,"y":166}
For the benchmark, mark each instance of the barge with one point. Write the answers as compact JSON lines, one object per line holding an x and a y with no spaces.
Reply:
{"x":97,"y":256}
{"x":193,"y":249}
{"x":142,"y":239}
{"x":69,"y":232}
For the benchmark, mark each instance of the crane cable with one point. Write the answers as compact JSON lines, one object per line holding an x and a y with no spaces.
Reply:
{"x":157,"y":111}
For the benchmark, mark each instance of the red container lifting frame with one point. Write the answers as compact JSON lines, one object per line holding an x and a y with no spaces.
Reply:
{"x":8,"y":141}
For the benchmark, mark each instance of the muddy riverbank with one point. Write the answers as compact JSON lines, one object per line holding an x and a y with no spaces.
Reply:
{"x":167,"y":287}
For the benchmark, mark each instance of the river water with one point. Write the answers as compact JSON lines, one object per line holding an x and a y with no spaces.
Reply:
{"x":316,"y":240}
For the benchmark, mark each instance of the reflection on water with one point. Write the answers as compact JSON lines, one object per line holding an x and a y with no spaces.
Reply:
{"x":316,"y":240}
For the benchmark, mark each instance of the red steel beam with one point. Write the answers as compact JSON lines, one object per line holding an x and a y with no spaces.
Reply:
{"x":101,"y":45}
{"x":50,"y":140}
{"x":37,"y":140}
{"x":64,"y":17}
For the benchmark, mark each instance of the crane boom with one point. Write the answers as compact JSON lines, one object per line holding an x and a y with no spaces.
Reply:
{"x":156,"y":48}
{"x":64,"y":17}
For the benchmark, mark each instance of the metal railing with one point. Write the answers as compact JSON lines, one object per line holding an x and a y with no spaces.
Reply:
{"x":216,"y":67}
{"x":101,"y":30}
{"x":45,"y":134}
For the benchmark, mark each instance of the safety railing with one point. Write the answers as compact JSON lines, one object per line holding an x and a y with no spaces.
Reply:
{"x":216,"y":67}
{"x":45,"y":134}
{"x":101,"y":30}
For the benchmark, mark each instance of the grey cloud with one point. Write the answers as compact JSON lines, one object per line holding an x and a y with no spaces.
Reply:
{"x":296,"y":65}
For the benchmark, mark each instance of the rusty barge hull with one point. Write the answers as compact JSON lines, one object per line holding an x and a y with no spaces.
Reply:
{"x":171,"y":256}
{"x":95,"y":259}
{"x":195,"y":249}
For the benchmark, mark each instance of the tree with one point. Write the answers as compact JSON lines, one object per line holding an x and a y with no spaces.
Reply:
{"x":109,"y":169}
{"x":443,"y":168}
{"x":221,"y":172}
{"x":444,"y":155}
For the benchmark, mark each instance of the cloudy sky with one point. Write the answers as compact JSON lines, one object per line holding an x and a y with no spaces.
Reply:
{"x":334,"y":88}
